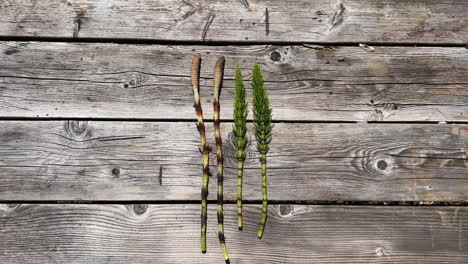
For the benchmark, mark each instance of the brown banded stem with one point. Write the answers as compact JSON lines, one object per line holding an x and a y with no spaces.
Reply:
{"x":204,"y":148}
{"x":218,"y":83}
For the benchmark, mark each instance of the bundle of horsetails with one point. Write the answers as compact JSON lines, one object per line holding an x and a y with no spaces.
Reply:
{"x":218,"y":82}
{"x":262,"y":121}
{"x":205,"y":149}
{"x":239,"y":129}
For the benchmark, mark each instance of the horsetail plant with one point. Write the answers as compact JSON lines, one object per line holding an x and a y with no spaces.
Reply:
{"x":239,"y":129}
{"x":262,"y":121}
{"x":218,"y":83}
{"x":204,"y":149}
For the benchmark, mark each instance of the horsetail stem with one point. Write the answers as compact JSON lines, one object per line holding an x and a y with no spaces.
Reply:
{"x":262,"y":120}
{"x":239,"y":129}
{"x":218,"y":83}
{"x":205,"y":149}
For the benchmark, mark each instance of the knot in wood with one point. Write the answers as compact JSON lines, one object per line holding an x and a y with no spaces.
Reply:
{"x":8,"y":208}
{"x":282,"y":55}
{"x":78,"y":129}
{"x":116,"y":172}
{"x":285,"y":210}
{"x":380,"y":251}
{"x":140,"y":209}
{"x":131,"y":83}
{"x":381,"y":164}
{"x":275,"y":56}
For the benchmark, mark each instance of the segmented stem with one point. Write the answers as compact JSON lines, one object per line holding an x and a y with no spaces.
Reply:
{"x":218,"y":83}
{"x":239,"y":129}
{"x":262,"y":121}
{"x":263,"y":218}
{"x":205,"y":149}
{"x":240,"y":172}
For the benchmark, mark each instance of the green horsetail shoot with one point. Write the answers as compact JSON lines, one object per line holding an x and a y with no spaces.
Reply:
{"x":239,"y":129}
{"x":204,"y":149}
{"x":218,"y":83}
{"x":262,"y":121}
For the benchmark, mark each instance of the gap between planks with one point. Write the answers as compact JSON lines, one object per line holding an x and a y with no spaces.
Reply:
{"x":209,"y":120}
{"x":257,"y":202}
{"x":228,"y":43}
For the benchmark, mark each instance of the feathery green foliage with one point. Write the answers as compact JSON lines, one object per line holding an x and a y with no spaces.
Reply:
{"x":262,"y":121}
{"x":239,"y":129}
{"x":262,"y":111}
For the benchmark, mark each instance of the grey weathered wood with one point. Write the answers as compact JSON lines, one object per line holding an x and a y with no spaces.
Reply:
{"x":421,"y":21}
{"x":294,"y":234}
{"x":69,"y":160}
{"x":152,"y":81}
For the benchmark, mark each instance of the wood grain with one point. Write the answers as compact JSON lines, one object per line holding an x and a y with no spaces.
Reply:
{"x":80,"y":160}
{"x":421,"y":21}
{"x":99,"y":80}
{"x":170,"y":234}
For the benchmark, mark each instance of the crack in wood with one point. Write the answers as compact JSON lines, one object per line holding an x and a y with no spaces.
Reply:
{"x":52,"y":79}
{"x":338,"y":17}
{"x":76,"y":30}
{"x":267,"y":22}
{"x":245,"y":3}
{"x":209,"y":20}
{"x":160,"y":175}
{"x":188,"y":3}
{"x":187,"y":15}
{"x":323,"y":196}
{"x":78,"y":21}
{"x":108,"y":138}
{"x":121,"y":138}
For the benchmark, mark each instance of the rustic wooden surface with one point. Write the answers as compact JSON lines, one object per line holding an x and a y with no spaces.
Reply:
{"x":152,"y":81}
{"x":294,"y":234}
{"x":70,"y":160}
{"x":121,"y":68}
{"x":422,"y":21}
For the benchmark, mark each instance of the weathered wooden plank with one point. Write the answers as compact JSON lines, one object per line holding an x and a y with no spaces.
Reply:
{"x":421,"y":21}
{"x":170,"y":234}
{"x":69,"y":160}
{"x":151,"y":81}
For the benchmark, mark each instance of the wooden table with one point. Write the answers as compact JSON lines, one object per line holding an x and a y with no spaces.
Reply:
{"x":99,"y":159}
